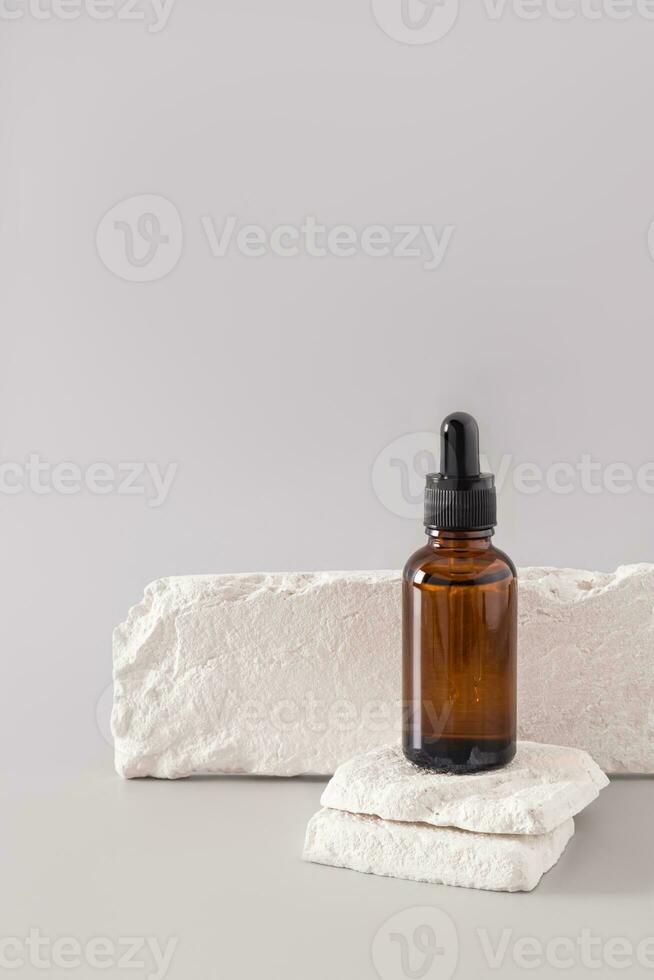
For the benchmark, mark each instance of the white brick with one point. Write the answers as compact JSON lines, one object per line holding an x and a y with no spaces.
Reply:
{"x":291,"y":673}
{"x":586,"y":663}
{"x":275,"y":674}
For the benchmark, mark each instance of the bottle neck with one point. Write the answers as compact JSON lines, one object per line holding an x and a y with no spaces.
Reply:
{"x":460,"y":540}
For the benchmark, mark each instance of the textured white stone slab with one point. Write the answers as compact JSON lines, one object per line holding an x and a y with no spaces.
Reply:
{"x":274,"y":674}
{"x":539,"y":790}
{"x":291,"y":673}
{"x":586,"y":663}
{"x":496,"y":862}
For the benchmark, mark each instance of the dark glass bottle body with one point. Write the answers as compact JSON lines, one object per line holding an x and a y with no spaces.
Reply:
{"x":459,"y":653}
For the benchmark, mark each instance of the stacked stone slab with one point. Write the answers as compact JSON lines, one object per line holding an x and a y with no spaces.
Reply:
{"x":499,"y":830}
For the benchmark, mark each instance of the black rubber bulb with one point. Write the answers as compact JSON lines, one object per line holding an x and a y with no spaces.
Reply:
{"x":459,"y":447}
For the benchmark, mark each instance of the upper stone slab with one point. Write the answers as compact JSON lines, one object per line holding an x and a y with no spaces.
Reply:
{"x":539,"y":790}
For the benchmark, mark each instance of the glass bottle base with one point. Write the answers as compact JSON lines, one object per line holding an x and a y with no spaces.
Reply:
{"x":458,"y":755}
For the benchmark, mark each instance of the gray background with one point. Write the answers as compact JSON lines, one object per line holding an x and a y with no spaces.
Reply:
{"x":276,"y":383}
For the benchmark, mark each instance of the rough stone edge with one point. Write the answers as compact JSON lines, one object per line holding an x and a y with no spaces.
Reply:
{"x":176,"y":591}
{"x":335,"y":796}
{"x":171,"y":596}
{"x":531,"y":871}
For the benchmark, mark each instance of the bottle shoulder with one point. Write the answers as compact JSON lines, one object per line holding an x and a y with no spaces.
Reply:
{"x":455,"y":565}
{"x":501,"y":556}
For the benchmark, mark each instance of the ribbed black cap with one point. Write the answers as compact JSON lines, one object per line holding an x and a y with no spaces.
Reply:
{"x":460,"y":498}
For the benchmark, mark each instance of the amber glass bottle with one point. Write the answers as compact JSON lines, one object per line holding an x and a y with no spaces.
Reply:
{"x":459,"y":620}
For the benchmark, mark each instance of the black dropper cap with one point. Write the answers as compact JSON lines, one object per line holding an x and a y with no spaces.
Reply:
{"x":460,"y":498}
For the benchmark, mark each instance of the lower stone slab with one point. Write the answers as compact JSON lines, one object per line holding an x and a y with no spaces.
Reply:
{"x":494,"y":862}
{"x":285,"y":674}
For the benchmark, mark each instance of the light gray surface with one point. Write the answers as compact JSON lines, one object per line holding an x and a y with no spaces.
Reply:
{"x":216,"y":863}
